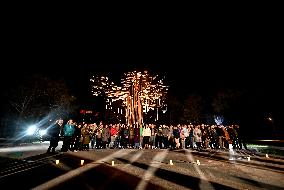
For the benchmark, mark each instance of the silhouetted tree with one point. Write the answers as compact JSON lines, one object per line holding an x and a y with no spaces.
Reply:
{"x":225,"y":102}
{"x":193,"y":107}
{"x":174,"y":108}
{"x":39,"y":96}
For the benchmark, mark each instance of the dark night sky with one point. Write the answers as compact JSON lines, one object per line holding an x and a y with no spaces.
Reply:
{"x":203,"y":69}
{"x":203,"y":53}
{"x":240,"y":67}
{"x":197,"y":53}
{"x":209,"y":59}
{"x":254,"y":69}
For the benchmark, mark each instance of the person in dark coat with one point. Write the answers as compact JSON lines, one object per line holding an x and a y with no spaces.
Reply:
{"x":136,"y":136}
{"x":176,"y":135}
{"x":241,"y":137}
{"x":77,"y":138}
{"x":53,"y":133}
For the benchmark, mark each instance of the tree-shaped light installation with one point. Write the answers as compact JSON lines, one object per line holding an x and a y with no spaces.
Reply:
{"x":139,"y":93}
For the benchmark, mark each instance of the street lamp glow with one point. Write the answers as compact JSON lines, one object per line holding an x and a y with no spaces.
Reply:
{"x":31,"y":130}
{"x":42,"y":132}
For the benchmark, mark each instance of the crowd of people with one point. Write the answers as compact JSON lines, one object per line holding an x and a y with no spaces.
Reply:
{"x":83,"y":136}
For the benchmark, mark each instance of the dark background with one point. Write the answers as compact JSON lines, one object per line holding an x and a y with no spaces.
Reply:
{"x":202,"y":58}
{"x":254,"y":71}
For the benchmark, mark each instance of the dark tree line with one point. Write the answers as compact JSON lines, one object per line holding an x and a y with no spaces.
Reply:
{"x":34,"y":98}
{"x":196,"y":108}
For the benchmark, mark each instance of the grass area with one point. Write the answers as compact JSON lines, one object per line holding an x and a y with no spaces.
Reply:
{"x":266,"y":149}
{"x":4,"y":160}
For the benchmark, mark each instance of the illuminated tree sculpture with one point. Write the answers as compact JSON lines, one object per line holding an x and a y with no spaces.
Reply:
{"x":139,"y":93}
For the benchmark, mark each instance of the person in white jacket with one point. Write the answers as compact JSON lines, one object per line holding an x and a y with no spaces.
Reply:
{"x":146,"y":136}
{"x":197,"y":137}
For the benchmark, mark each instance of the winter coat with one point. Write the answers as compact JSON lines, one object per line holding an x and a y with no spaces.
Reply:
{"x":197,"y":135}
{"x":69,"y":130}
{"x":105,"y":134}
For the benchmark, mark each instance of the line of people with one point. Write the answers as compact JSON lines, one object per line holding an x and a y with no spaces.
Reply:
{"x":81,"y":136}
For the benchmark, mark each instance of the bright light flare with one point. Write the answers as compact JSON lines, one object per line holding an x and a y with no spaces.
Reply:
{"x":31,"y":130}
{"x":42,"y":132}
{"x":218,"y":120}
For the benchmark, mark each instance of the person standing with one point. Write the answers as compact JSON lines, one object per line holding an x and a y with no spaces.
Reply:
{"x":197,"y":137}
{"x":105,"y":136}
{"x":53,"y":134}
{"x":86,"y":137}
{"x":113,"y":135}
{"x":136,"y":136}
{"x":146,"y":136}
{"x":77,"y":138}
{"x":68,"y":133}
{"x":176,"y":134}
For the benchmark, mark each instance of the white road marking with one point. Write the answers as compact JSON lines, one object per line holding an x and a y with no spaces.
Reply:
{"x":156,"y":162}
{"x":204,"y":183}
{"x":69,"y":175}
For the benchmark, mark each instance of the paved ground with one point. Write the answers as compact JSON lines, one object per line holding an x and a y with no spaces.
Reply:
{"x":138,"y":169}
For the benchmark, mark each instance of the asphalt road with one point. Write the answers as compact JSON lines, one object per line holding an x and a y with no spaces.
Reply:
{"x":140,"y":169}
